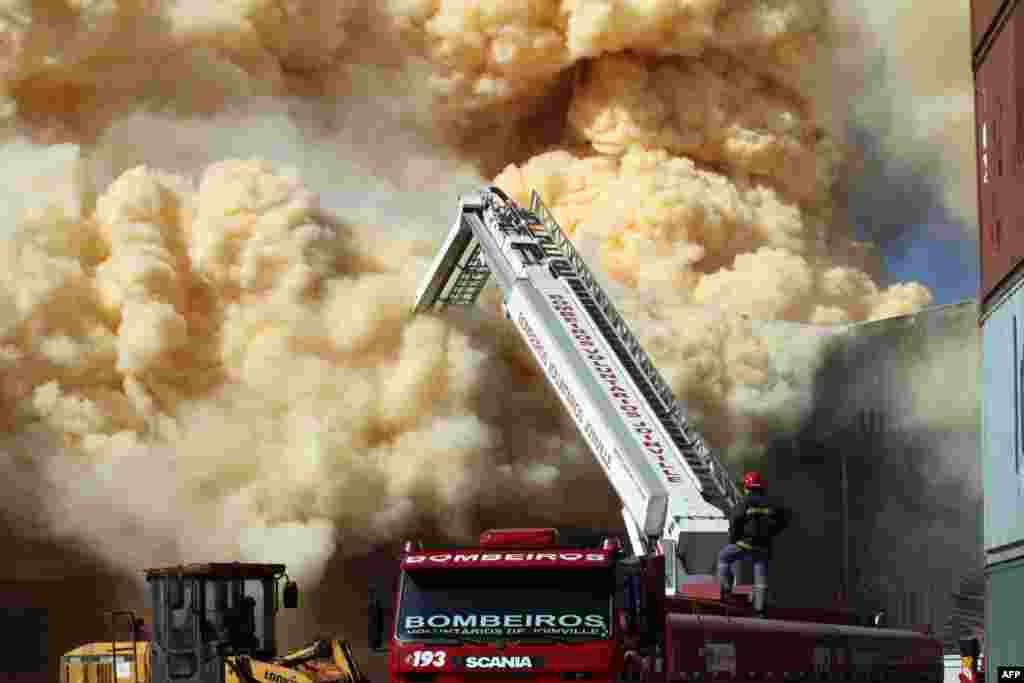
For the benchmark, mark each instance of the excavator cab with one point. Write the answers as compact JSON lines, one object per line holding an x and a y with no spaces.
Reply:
{"x":211,"y":623}
{"x":205,"y":613}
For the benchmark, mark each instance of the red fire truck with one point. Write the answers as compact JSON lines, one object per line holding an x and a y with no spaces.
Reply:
{"x":523,"y":605}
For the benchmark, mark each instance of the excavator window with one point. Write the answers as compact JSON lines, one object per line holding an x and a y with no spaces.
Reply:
{"x":179,"y":634}
{"x":179,"y":627}
{"x":237,"y":615}
{"x":212,"y":616}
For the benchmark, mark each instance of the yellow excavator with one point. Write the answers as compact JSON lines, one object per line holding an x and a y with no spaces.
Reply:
{"x":211,"y":623}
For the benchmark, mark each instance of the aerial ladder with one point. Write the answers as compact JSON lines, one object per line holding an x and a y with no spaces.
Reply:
{"x":676,"y":493}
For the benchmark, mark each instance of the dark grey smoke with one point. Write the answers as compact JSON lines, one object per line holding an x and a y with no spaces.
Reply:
{"x":888,"y":196}
{"x":913,"y":468}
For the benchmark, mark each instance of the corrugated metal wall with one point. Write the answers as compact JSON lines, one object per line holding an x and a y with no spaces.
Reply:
{"x":1003,"y":415}
{"x":998,"y":58}
{"x":898,"y":400}
{"x":1003,"y":466}
{"x":967,"y":618}
{"x":1000,"y":142}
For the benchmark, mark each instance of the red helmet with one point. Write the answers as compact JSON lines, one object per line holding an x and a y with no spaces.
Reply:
{"x":752,"y":480}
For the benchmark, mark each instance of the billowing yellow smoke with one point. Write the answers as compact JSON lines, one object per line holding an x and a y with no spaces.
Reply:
{"x":205,"y":291}
{"x":661,"y":218}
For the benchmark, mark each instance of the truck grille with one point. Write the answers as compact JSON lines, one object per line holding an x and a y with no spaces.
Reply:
{"x":424,"y":677}
{"x":512,"y":675}
{"x":417,"y":677}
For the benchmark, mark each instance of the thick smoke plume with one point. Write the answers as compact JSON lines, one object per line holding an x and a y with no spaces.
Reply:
{"x":215,"y":216}
{"x":898,"y":401}
{"x":912,"y":110}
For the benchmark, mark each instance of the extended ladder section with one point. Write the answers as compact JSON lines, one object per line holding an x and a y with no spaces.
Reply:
{"x":715,"y":482}
{"x":460,"y":273}
{"x":675,"y":492}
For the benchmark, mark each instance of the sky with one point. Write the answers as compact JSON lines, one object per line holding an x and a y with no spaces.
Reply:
{"x":947,"y":266}
{"x":913,"y":130}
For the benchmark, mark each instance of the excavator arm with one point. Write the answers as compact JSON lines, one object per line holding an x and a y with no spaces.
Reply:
{"x":323,"y":661}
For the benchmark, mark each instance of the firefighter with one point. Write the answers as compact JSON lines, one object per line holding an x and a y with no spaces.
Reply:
{"x":754,"y":523}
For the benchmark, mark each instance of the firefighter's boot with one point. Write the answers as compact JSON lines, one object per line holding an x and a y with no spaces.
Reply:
{"x":758,"y":598}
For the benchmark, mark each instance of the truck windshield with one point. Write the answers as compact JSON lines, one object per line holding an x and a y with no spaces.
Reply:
{"x":494,"y":604}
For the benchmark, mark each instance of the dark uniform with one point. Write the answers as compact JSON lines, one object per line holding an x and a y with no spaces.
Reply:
{"x":753,"y":525}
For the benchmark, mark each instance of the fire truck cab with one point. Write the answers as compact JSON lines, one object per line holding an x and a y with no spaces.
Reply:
{"x":521,"y":605}
{"x":518,"y":603}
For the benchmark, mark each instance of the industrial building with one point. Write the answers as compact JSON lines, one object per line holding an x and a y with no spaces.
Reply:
{"x":997,"y":28}
{"x":884,"y":476}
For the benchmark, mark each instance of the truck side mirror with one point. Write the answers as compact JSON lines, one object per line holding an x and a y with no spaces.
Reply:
{"x":175,"y":592}
{"x":376,"y":623}
{"x":291,"y":595}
